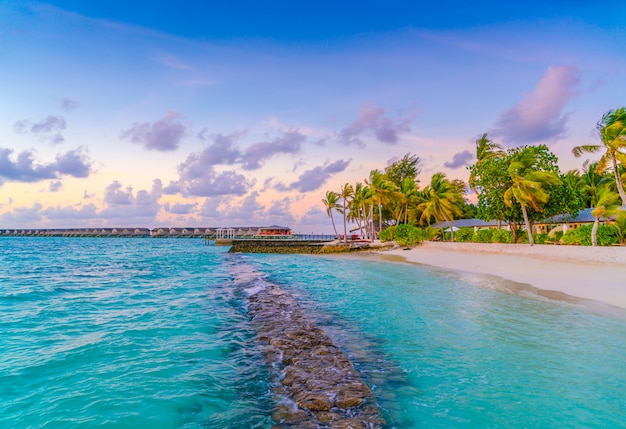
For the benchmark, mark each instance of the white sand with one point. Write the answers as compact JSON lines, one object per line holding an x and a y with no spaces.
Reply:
{"x":593,"y":273}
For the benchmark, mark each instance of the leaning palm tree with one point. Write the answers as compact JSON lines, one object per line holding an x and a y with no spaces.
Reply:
{"x":441,"y":200}
{"x":331,"y":202}
{"x":485,"y":149}
{"x":612,"y":130}
{"x":606,"y":201}
{"x":528,"y":187}
{"x":347,"y":192}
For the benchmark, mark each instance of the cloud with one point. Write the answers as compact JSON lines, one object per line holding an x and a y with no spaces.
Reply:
{"x":73,"y":163}
{"x":22,"y":217}
{"x":371,"y":119}
{"x":290,"y":143}
{"x":180,"y":208}
{"x":313,"y":179}
{"x":197,"y":177}
{"x":71,"y":214}
{"x":49,"y":128}
{"x":55,"y":186}
{"x":213,"y":184}
{"x":459,"y":160}
{"x":123,"y":203}
{"x":222,"y":151}
{"x":539,"y":115}
{"x":173,"y":188}
{"x":68,"y":104}
{"x":163,"y":135}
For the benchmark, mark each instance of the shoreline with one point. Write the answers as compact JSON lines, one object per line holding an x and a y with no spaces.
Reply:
{"x":591,"y":276}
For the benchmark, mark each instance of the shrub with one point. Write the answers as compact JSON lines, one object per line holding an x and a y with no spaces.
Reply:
{"x":483,"y":235}
{"x":501,"y":236}
{"x":558,"y":235}
{"x":540,"y":238}
{"x":522,"y":236}
{"x":431,"y":233}
{"x":404,"y":235}
{"x":464,"y":235}
{"x":580,"y":236}
{"x":606,"y":235}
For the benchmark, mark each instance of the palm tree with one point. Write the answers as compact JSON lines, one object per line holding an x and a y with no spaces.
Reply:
{"x":407,"y":195}
{"x":347,"y":192}
{"x":590,"y":181}
{"x":485,"y":149}
{"x":379,"y":187}
{"x":331,"y":202}
{"x":528,"y":186}
{"x":441,"y":200}
{"x":605,"y":202}
{"x":612,"y":130}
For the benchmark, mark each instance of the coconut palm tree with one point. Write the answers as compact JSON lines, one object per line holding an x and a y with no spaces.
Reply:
{"x":612,"y":130}
{"x":528,"y":186}
{"x":406,"y":196}
{"x":441,"y":200}
{"x":380,"y":187}
{"x":605,"y":202}
{"x":347,"y":192}
{"x":485,"y":149}
{"x":331,"y":202}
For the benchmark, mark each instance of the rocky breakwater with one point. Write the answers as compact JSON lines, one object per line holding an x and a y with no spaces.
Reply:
{"x":303,"y":246}
{"x":316,"y":386}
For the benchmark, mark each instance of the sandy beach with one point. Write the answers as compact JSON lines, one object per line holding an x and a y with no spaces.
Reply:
{"x":557,"y":272}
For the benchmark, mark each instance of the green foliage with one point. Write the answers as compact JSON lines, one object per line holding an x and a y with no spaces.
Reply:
{"x":492,"y":179}
{"x":464,"y":235}
{"x":606,"y":236}
{"x":501,"y":236}
{"x":620,"y":227}
{"x":405,"y":168}
{"x":483,"y":235}
{"x":558,"y":235}
{"x":403,"y":234}
{"x":470,"y":211}
{"x":431,"y":233}
{"x":540,"y":238}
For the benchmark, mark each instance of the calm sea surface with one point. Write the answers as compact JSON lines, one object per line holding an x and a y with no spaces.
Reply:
{"x":148,"y":333}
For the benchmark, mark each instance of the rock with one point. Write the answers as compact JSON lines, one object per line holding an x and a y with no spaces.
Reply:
{"x":310,"y":370}
{"x":314,"y":401}
{"x":286,"y":414}
{"x":350,"y":398}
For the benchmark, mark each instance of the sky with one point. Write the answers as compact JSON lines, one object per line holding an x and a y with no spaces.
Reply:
{"x":242,"y":113}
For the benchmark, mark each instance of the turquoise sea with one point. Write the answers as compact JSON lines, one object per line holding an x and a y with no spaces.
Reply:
{"x":149,"y":333}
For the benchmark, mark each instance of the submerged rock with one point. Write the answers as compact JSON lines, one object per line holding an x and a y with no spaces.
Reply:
{"x":316,"y":386}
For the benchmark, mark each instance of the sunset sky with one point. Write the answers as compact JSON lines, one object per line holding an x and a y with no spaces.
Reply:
{"x":238,"y":113}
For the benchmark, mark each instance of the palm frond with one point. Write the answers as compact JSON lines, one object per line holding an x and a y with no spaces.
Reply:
{"x":579,"y":150}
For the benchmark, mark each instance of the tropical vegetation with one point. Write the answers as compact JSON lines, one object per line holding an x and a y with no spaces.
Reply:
{"x":516,"y":188}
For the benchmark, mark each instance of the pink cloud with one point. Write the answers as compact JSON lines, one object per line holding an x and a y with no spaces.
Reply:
{"x":539,"y":115}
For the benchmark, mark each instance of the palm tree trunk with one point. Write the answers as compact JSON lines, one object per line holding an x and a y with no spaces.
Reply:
{"x":449,"y":226}
{"x":332,"y":219}
{"x":345,"y":225}
{"x":380,"y":217}
{"x":594,"y":231}
{"x":527,"y":223}
{"x":618,"y":181}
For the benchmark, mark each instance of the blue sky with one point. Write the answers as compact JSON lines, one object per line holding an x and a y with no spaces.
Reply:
{"x":212,"y":114}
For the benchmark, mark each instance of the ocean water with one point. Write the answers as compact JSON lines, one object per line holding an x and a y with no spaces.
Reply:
{"x":149,"y":333}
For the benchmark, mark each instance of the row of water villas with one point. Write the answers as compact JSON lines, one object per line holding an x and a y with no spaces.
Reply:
{"x":206,"y":233}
